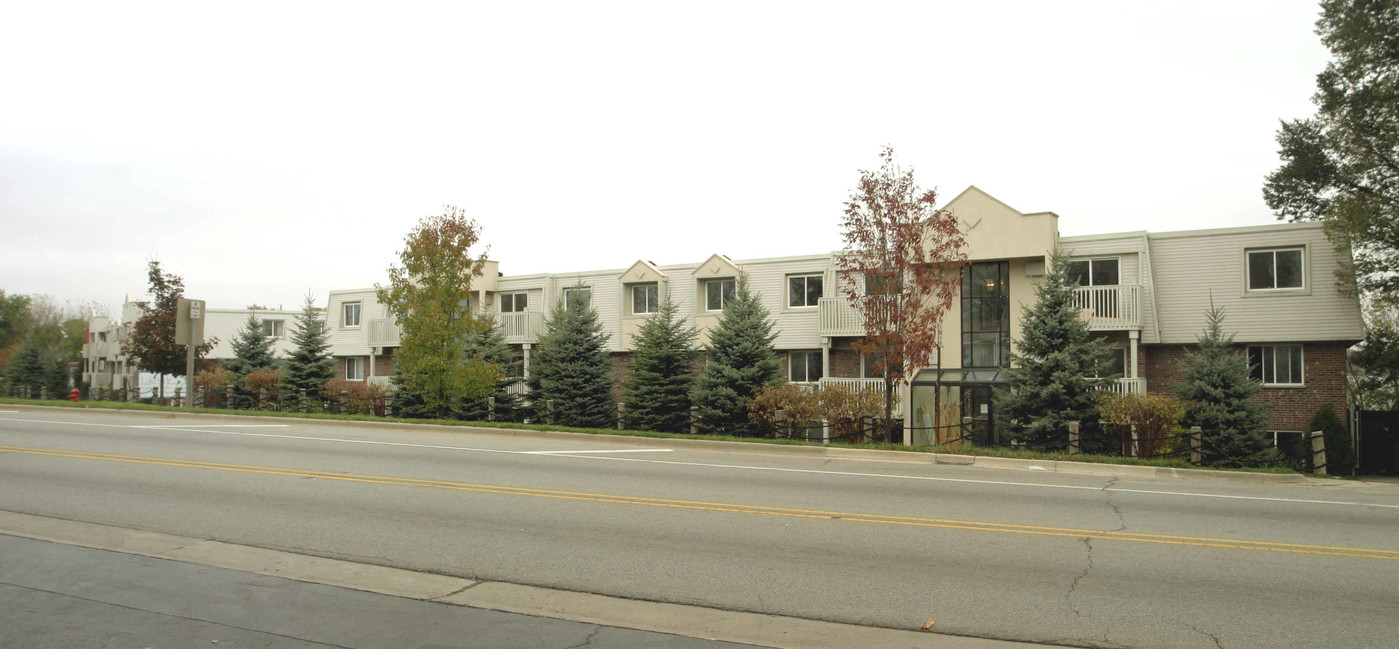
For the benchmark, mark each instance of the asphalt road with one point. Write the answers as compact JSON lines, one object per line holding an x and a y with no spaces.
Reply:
{"x":1023,"y":555}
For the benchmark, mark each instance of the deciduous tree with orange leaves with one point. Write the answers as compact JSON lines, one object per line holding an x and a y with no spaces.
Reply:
{"x":900,"y":269}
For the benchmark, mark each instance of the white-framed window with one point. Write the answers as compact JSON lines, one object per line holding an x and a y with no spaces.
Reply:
{"x":1276,"y":364}
{"x":718,"y":292}
{"x":273,"y":328}
{"x":804,"y":366}
{"x":1095,"y":272}
{"x":1276,"y":269}
{"x":514,"y":302}
{"x":804,"y":290}
{"x":645,"y":298}
{"x":584,"y":294}
{"x":354,"y":368}
{"x":349,"y":314}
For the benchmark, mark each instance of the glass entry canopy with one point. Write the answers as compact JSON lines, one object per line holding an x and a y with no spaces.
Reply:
{"x":960,"y":411}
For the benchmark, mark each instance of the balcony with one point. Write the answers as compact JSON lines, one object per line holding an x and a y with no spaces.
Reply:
{"x":383,"y":332}
{"x":521,"y":327}
{"x":839,"y":318}
{"x":1110,"y":308}
{"x":1128,"y":386}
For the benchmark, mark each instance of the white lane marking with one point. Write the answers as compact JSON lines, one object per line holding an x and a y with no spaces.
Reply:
{"x":857,"y":474}
{"x":627,"y":450}
{"x":8,"y":412}
{"x":218,"y":426}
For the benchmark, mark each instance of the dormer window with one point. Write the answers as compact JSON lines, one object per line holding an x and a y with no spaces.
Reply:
{"x":718,"y":292}
{"x":645,"y":298}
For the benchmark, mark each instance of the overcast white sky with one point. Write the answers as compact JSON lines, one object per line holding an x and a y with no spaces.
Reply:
{"x":264,"y":149}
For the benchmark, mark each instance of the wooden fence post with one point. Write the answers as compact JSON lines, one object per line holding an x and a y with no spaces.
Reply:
{"x":1318,"y":452}
{"x":1073,"y":437}
{"x":1197,"y":441}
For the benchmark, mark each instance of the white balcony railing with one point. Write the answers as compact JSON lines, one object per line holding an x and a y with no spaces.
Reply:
{"x":1128,"y":386}
{"x":1110,"y":308}
{"x":383,"y":332}
{"x":867,"y":385}
{"x":519,"y":328}
{"x":522,"y":327}
{"x":519,"y":389}
{"x":839,"y":318}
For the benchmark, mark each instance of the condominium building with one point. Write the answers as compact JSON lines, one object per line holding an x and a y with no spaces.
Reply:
{"x":106,"y":367}
{"x":1145,"y":293}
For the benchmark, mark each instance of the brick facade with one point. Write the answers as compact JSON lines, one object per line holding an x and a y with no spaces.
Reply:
{"x":1323,"y":374}
{"x":845,"y":364}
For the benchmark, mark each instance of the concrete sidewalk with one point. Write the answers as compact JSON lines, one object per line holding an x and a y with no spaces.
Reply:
{"x":74,"y":584}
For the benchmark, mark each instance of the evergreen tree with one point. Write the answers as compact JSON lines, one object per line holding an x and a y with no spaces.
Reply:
{"x":1058,"y":369}
{"x":310,"y":364}
{"x":26,"y":370}
{"x":1340,"y":453}
{"x":252,"y":349}
{"x":741,"y":362}
{"x":56,"y":379}
{"x":571,"y":367}
{"x":662,"y":373}
{"x":1218,"y":394}
{"x":487,"y":343}
{"x":406,"y":402}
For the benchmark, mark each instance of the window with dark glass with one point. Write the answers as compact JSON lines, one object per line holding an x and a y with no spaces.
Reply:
{"x":804,"y":290}
{"x":1275,"y":269}
{"x":645,"y":298}
{"x":1276,"y":364}
{"x":1095,"y":272}
{"x":513,"y":302}
{"x":583,"y":294}
{"x":718,"y":292}
{"x":804,"y":366}
{"x":986,"y":315}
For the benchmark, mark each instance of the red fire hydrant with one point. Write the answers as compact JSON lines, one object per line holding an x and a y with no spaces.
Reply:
{"x":73,"y":395}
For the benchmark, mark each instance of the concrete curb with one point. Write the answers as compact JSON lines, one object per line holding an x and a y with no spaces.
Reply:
{"x":678,"y":619}
{"x":791,"y":450}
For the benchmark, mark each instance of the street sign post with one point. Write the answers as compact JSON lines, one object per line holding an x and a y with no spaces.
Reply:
{"x":189,"y":330}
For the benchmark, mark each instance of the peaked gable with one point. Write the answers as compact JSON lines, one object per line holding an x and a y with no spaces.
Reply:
{"x":643,"y":271}
{"x":718,"y":266}
{"x":995,"y":230}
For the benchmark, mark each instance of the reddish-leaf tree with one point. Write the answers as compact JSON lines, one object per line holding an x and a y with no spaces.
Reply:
{"x":152,"y":340}
{"x":900,"y":269}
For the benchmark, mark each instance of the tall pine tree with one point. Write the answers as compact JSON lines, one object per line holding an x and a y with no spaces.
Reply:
{"x":1218,"y":394}
{"x":571,"y":367}
{"x":310,"y":364}
{"x":741,"y":362}
{"x":26,"y":370}
{"x":1057,"y":369}
{"x":252,"y":349}
{"x":662,"y":373}
{"x":487,"y":343}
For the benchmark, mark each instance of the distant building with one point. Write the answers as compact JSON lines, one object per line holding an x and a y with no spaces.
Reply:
{"x":105,"y":366}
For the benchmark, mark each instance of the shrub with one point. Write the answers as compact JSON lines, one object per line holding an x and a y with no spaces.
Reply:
{"x":1156,"y":417}
{"x":843,"y":409}
{"x":214,"y":381}
{"x":799,"y":405}
{"x":359,"y":398}
{"x":1340,"y":454}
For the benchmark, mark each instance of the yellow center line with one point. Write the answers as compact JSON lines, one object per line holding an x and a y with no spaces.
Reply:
{"x":980,"y":526}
